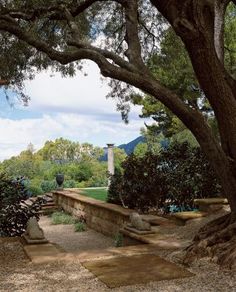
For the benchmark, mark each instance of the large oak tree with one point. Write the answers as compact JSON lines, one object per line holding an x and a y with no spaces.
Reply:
{"x":65,"y":32}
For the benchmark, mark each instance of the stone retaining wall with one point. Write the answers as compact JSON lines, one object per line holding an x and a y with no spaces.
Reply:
{"x":100,"y":216}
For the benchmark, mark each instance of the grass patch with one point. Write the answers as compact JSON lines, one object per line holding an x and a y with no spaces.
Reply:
{"x":62,"y":218}
{"x":98,"y":194}
{"x":79,"y":227}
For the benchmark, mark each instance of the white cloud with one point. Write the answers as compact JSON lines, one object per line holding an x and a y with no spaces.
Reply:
{"x":80,"y":94}
{"x":73,"y":108}
{"x":17,"y":134}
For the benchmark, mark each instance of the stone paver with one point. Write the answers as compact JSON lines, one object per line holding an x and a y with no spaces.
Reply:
{"x":41,"y":253}
{"x":136,"y":269}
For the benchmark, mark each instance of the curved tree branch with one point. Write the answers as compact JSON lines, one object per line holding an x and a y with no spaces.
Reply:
{"x":129,"y":74}
{"x":52,"y":12}
{"x":4,"y":82}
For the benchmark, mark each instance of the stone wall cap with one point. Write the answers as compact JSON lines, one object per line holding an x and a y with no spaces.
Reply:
{"x":81,"y":198}
{"x":188,"y":215}
{"x":210,"y":201}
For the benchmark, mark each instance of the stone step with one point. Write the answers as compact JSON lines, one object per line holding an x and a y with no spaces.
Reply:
{"x":48,"y":204}
{"x":47,"y":212}
{"x":45,"y":207}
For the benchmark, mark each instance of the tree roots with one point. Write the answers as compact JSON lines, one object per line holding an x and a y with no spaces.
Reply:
{"x":217,"y":240}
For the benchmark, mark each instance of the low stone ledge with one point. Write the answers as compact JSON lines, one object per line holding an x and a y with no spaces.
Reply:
{"x":182,"y":217}
{"x":100,"y":204}
{"x":211,"y":205}
{"x":210,"y":201}
{"x":101,"y":216}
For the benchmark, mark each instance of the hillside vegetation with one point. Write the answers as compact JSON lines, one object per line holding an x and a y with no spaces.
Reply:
{"x":80,"y":163}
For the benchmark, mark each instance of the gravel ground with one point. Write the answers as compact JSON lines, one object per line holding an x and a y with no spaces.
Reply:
{"x":18,"y":274}
{"x":78,"y":241}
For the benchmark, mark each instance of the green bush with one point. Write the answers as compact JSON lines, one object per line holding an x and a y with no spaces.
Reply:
{"x":13,"y":213}
{"x":62,"y":218}
{"x":82,"y":184}
{"x":69,"y":183}
{"x":119,"y":240}
{"x":174,"y":178}
{"x":79,"y":227}
{"x":35,"y":190}
{"x":141,"y":186}
{"x":48,"y":185}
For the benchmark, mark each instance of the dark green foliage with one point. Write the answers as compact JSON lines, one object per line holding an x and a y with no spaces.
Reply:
{"x":175,"y":177}
{"x":188,"y":175}
{"x":140,"y":186}
{"x":14,"y":214}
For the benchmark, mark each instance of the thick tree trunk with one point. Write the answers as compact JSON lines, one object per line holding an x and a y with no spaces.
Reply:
{"x":214,"y":81}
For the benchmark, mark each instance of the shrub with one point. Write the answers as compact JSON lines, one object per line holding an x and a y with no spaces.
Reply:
{"x":14,"y":214}
{"x":62,"y":218}
{"x":69,"y":184}
{"x":139,"y":187}
{"x":119,"y":240}
{"x":48,"y":185}
{"x":82,"y":184}
{"x":79,"y":227}
{"x":35,"y":190}
{"x":175,"y":177}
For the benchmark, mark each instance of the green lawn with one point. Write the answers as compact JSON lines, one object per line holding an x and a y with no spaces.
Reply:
{"x":98,"y":194}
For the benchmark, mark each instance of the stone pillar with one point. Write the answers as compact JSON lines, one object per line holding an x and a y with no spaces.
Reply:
{"x":110,"y":160}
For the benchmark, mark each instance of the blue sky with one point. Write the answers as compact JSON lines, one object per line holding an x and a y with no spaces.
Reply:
{"x":74,"y":108}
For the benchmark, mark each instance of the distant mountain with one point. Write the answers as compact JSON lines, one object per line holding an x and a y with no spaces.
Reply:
{"x":129,"y":147}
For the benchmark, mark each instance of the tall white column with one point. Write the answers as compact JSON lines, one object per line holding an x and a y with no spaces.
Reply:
{"x":110,"y":160}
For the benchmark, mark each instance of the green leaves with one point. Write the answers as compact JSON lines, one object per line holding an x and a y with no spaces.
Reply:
{"x":175,"y":177}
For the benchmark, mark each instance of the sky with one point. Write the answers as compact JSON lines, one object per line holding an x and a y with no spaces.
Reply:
{"x":73,"y":108}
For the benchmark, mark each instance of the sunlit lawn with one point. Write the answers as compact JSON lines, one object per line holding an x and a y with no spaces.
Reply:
{"x":98,"y":194}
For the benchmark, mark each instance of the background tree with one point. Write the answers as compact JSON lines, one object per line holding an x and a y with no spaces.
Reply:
{"x":56,"y":31}
{"x":80,"y":163}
